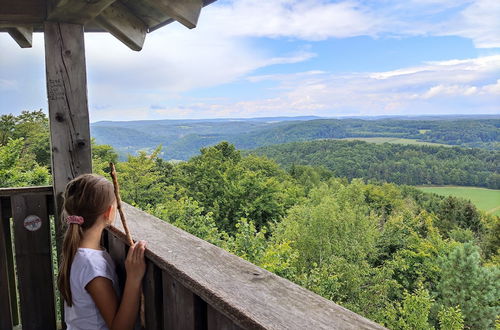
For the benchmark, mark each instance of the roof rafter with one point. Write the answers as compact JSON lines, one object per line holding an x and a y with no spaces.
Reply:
{"x":123,"y":25}
{"x":185,"y":12}
{"x":77,"y":11}
{"x":22,"y":34}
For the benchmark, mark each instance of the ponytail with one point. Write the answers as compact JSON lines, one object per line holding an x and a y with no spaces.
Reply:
{"x":71,"y":242}
{"x":86,"y":197}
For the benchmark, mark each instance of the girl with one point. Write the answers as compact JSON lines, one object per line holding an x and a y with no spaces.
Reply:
{"x":87,"y":278}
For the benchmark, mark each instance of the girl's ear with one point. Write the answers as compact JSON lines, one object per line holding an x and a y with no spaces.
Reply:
{"x":108,"y":211}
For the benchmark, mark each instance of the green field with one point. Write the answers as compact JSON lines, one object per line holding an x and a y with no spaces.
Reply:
{"x":485,"y":199}
{"x":395,"y":140}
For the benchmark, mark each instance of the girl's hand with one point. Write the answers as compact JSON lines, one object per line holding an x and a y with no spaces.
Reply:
{"x":135,"y":264}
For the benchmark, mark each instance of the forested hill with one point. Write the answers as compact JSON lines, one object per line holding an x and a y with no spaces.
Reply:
{"x":182,"y":139}
{"x":401,"y":164}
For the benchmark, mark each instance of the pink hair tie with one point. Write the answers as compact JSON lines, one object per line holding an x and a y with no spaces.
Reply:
{"x":74,"y":219}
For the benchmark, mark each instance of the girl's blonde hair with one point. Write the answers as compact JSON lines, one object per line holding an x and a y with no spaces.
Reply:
{"x":87,"y":196}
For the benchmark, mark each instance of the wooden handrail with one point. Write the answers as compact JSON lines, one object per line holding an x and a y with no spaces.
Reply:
{"x":47,"y":190}
{"x":249,"y":296}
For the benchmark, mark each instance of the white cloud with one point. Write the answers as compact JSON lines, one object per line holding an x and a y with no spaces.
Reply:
{"x":456,"y":86}
{"x":222,"y":49}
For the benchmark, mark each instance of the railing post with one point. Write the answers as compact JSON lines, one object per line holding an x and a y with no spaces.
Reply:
{"x":5,"y":295}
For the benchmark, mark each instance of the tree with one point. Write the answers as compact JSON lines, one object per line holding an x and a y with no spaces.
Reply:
{"x":18,"y":169}
{"x":102,"y":155}
{"x":475,"y":288}
{"x":450,"y":318}
{"x":141,"y":181}
{"x":232,"y":187}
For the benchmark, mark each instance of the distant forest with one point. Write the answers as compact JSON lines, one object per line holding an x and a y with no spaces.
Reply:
{"x":397,"y":163}
{"x":182,"y":139}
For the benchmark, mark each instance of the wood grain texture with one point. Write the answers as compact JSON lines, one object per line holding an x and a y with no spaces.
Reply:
{"x":249,"y":296}
{"x":5,"y":296}
{"x":217,"y":321}
{"x":117,"y":251}
{"x":5,"y":216}
{"x":22,"y":11}
{"x":185,"y":12}
{"x":68,"y":110}
{"x":46,"y":190}
{"x":122,"y":23}
{"x":153,"y":297}
{"x":178,"y":305}
{"x":22,"y":34}
{"x":77,"y":11}
{"x":34,"y":263}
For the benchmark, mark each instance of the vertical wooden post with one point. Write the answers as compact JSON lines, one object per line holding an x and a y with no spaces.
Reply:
{"x":68,"y":109}
{"x":5,"y":302}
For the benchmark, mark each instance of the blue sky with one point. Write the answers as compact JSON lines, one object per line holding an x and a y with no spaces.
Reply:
{"x":254,"y":58}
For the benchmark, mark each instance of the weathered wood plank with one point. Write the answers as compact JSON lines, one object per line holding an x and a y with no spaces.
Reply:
{"x":22,"y":11}
{"x":22,"y":34}
{"x":168,"y":21}
{"x":146,"y":12}
{"x":217,"y":321}
{"x":178,"y":304}
{"x":117,"y":250}
{"x":5,"y":216}
{"x":68,"y":110}
{"x":77,"y":11}
{"x":124,"y":25}
{"x":185,"y":12}
{"x":34,"y":261}
{"x":153,"y":297}
{"x":5,"y":296}
{"x":46,"y":190}
{"x":249,"y":296}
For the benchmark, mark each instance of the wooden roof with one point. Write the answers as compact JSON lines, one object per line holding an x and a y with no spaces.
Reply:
{"x":127,"y":20}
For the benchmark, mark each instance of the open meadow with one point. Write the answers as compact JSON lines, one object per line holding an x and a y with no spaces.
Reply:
{"x":485,"y":199}
{"x":395,"y":140}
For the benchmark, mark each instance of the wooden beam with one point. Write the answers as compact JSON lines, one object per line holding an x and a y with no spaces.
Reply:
{"x":185,"y":12}
{"x":68,"y":110}
{"x":23,"y":35}
{"x":124,"y":25}
{"x":77,"y":11}
{"x":22,"y":11}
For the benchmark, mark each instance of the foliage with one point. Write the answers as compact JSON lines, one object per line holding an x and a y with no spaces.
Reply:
{"x":18,"y":169}
{"x":401,"y":164}
{"x":413,"y":312}
{"x":140,"y":180}
{"x":33,"y":128}
{"x":231,"y":187}
{"x":475,"y":288}
{"x":450,"y":318}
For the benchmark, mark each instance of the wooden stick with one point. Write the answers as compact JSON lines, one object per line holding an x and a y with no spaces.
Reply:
{"x":127,"y":232}
{"x":119,"y":203}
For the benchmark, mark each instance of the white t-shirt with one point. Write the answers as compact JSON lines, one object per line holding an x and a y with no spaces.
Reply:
{"x":87,"y":265}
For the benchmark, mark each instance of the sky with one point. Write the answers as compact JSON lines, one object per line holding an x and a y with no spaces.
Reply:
{"x":264,"y":58}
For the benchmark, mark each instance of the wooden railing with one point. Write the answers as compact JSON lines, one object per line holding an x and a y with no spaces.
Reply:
{"x":189,"y":283}
{"x":26,"y":258}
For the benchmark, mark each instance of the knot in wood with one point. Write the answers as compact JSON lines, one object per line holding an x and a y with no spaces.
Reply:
{"x":59,"y":117}
{"x":67,"y":52}
{"x":80,"y":143}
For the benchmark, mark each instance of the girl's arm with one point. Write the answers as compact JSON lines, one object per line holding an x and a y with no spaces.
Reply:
{"x":102,"y":292}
